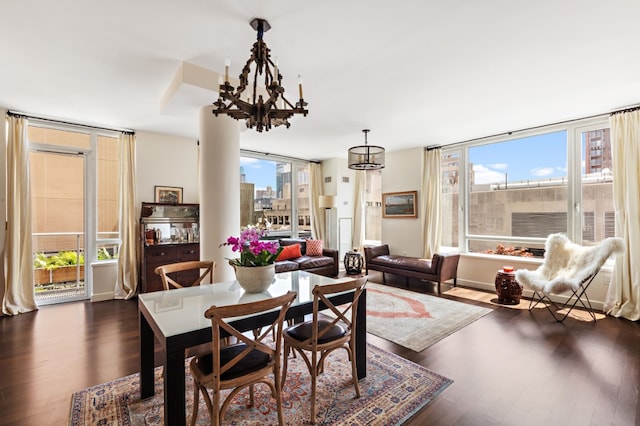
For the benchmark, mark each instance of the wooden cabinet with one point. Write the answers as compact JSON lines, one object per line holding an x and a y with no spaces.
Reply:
{"x":169,"y":233}
{"x":163,"y":254}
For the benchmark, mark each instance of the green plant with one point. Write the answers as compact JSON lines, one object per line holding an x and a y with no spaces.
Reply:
{"x":103,"y":254}
{"x":39,"y":261}
{"x":62,"y":258}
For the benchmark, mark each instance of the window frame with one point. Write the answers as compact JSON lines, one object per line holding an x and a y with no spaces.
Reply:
{"x":92,"y":241}
{"x":296,"y":164}
{"x":574,"y":130}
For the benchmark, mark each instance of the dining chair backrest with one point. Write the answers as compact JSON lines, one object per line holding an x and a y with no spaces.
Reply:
{"x":331,"y":328}
{"x":221,"y":329}
{"x":249,"y":361}
{"x":344,"y":314}
{"x":203,"y":268}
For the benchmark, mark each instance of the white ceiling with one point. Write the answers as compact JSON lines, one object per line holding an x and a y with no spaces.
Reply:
{"x":416,"y":72}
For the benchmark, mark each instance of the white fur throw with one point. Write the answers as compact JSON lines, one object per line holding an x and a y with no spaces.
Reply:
{"x":567,"y":264}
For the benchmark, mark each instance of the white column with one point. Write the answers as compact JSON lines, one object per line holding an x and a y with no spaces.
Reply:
{"x":219,"y":189}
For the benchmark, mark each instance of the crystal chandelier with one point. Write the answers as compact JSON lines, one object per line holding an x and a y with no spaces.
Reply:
{"x":257,"y":110}
{"x":366,"y":157}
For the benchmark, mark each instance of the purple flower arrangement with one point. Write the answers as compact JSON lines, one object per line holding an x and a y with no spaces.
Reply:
{"x":253,"y":251}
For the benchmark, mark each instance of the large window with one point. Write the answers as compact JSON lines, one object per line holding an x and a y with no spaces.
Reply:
{"x":596,"y":184}
{"x":520,"y":189}
{"x":276,"y":191}
{"x":108,"y":200}
{"x":74,"y":173}
{"x":450,"y":166}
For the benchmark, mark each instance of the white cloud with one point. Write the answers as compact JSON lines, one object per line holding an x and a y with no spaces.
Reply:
{"x":498,"y":166}
{"x":483,"y":174}
{"x":250,"y":162}
{"x":542,"y":171}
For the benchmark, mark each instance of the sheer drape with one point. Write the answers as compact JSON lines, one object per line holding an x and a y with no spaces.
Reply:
{"x":357,"y":239}
{"x":430,"y":203}
{"x":623,"y":298}
{"x":18,"y":293}
{"x":127,"y":282}
{"x":318,"y":226}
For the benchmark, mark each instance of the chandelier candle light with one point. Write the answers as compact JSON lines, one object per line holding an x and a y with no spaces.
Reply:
{"x":257,"y":111}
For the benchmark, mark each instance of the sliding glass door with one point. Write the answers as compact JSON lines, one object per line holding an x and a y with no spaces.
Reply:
{"x":58,"y":226}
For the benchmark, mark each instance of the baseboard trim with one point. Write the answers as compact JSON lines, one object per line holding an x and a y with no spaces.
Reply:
{"x":597,"y":304}
{"x":101,"y":297}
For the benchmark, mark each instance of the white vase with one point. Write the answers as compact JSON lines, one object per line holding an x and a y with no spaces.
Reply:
{"x":255,"y":279}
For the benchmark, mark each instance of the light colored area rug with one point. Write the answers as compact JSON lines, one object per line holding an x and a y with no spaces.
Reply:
{"x":415,"y":320}
{"x":393,"y":391}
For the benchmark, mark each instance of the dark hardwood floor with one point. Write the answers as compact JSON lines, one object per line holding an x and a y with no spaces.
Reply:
{"x":509,"y":368}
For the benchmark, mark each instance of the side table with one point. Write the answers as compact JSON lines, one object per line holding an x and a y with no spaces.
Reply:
{"x":353,"y":262}
{"x":508,"y":289}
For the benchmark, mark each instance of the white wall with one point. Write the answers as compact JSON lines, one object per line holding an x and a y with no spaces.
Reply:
{"x":166,"y":160}
{"x":105,"y":275}
{"x":342,"y":186}
{"x":402,"y":172}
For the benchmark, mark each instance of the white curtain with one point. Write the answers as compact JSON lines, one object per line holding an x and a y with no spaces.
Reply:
{"x":623,"y":297}
{"x":430,"y":203}
{"x":127,"y":281}
{"x":318,"y":222}
{"x":18,"y":292}
{"x":357,"y":239}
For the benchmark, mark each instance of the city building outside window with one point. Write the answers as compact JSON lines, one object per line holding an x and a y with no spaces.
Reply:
{"x":518,"y":189}
{"x":275,"y":190}
{"x":71,"y":168}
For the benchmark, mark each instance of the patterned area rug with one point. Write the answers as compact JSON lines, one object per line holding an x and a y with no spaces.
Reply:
{"x":393,"y":391}
{"x":415,"y":320}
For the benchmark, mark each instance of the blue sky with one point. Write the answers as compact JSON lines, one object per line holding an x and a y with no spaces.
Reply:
{"x":532,"y":158}
{"x":259,"y":172}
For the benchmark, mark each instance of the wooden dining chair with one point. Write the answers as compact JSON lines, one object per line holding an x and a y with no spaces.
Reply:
{"x":322,"y":334}
{"x":244,"y":364}
{"x":188,"y":270}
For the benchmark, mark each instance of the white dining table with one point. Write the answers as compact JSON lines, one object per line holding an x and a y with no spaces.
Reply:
{"x":175,"y":318}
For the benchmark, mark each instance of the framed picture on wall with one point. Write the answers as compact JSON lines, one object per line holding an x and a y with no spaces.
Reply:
{"x":400,"y":204}
{"x":168,"y":194}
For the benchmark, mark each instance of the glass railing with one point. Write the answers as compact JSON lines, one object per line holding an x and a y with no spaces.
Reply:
{"x":59,"y":264}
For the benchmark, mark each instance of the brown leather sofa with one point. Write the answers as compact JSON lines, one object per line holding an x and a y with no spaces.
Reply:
{"x":326,"y":265}
{"x":440,"y":268}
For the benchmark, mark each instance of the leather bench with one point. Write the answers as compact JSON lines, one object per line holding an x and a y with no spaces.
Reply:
{"x":440,"y":268}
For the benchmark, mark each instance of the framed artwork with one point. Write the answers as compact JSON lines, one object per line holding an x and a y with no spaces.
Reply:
{"x":400,"y":204}
{"x":168,"y":194}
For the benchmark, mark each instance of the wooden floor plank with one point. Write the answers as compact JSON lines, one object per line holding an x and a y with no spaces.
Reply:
{"x":509,"y":367}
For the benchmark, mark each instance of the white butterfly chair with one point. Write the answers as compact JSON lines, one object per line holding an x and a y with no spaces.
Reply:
{"x":567,"y":268}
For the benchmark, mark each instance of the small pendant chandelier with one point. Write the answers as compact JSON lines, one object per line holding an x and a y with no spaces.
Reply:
{"x":261,"y":112}
{"x":366,"y":157}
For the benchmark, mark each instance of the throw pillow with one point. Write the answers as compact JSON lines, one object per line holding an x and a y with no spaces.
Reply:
{"x":289,"y":252}
{"x":314,"y":247}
